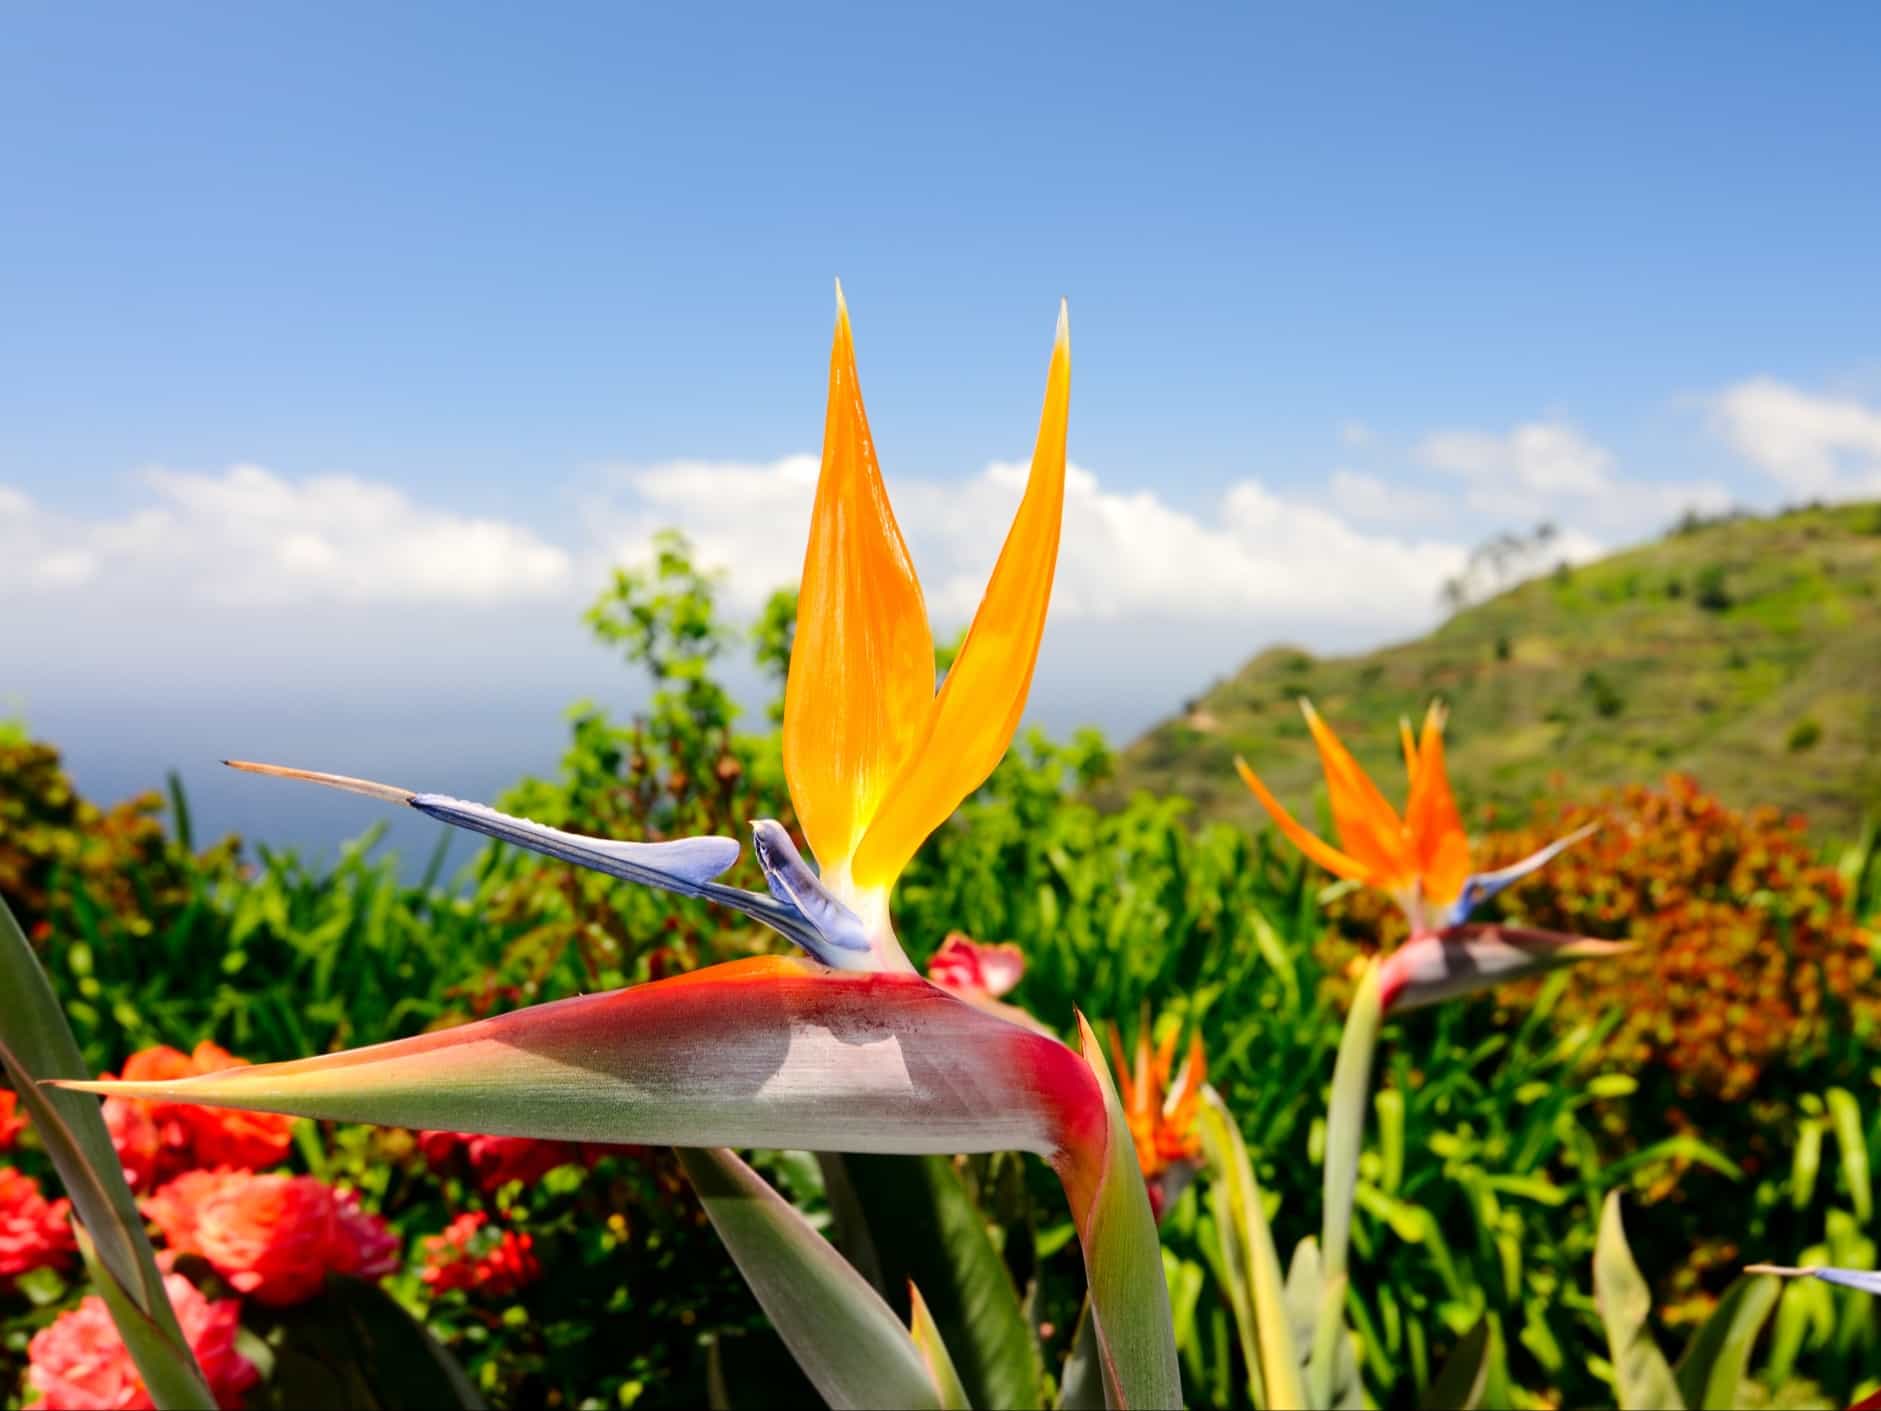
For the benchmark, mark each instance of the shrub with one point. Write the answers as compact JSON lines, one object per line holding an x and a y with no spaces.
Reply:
{"x":1710,"y":593}
{"x":1804,"y":734}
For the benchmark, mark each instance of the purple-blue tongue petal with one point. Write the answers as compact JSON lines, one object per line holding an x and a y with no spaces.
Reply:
{"x":793,"y":883}
{"x":1481,"y":886}
{"x":686,"y":866}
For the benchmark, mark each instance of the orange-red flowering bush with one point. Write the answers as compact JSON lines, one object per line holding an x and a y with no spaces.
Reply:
{"x":273,"y":1237}
{"x":157,"y":1140}
{"x":1746,"y":943}
{"x":79,"y":1363}
{"x":494,"y":1161}
{"x":11,"y":1123}
{"x":35,"y":1233}
{"x":471,"y":1255}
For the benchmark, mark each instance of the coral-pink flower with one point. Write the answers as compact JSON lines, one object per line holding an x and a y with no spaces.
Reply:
{"x":11,"y":1122}
{"x":499,"y":1160}
{"x":156,"y":1140}
{"x":79,"y":1363}
{"x":35,"y":1233}
{"x":966,"y":965}
{"x":472,"y":1256}
{"x":273,"y":1237}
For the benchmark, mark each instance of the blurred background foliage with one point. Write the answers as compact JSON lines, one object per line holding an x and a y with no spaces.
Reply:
{"x":1722,"y":1076}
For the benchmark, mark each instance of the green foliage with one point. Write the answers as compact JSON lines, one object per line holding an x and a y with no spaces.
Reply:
{"x":1495,"y":1132}
{"x":1712,"y":693}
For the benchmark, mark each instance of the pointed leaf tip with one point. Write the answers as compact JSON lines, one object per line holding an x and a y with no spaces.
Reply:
{"x":1465,"y":960}
{"x":389,"y":793}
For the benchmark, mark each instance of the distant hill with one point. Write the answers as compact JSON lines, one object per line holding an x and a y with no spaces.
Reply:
{"x":1746,"y":652}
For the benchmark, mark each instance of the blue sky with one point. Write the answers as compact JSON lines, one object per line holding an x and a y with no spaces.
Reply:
{"x":1351,"y":288}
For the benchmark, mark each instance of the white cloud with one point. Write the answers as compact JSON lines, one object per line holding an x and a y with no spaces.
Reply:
{"x":249,"y":535}
{"x":1354,"y":434}
{"x":1370,"y":499}
{"x":1819,"y":446}
{"x":1550,"y":470}
{"x":1258,"y":558}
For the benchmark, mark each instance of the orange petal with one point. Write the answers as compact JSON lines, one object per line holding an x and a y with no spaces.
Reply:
{"x":1369,"y":827}
{"x":1406,"y":739}
{"x":979,"y":705}
{"x":862,"y":667}
{"x":1442,"y":847}
{"x":1324,"y":854}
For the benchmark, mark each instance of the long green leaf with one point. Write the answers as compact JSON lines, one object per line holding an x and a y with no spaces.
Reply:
{"x":1459,"y":1386}
{"x":1711,"y":1373}
{"x":1642,"y":1378}
{"x":1123,"y":1259}
{"x":933,"y":1349}
{"x":1345,"y":1134}
{"x":355,"y":1346}
{"x":848,"y":1341}
{"x":1081,"y":1380}
{"x":925,"y":1230}
{"x":1248,"y":1250}
{"x":1845,"y":1113}
{"x":35,"y":1043}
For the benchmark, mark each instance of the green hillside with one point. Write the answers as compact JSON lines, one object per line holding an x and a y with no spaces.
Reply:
{"x":1747,"y":653}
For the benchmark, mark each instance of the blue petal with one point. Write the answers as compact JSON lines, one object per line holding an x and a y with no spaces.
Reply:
{"x":687,"y":866}
{"x":1481,"y":886}
{"x":1867,"y":1280}
{"x":792,"y":882}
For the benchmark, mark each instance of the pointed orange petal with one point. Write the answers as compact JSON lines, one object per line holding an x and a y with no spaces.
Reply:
{"x":1406,"y":739}
{"x":862,"y":667}
{"x":1437,"y":834}
{"x":979,"y":705}
{"x":1324,"y":854}
{"x":1369,"y":827}
{"x":1122,"y":1065}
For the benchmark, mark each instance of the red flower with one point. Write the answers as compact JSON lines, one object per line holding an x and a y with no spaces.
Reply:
{"x":470,"y":1256}
{"x":273,"y":1237}
{"x":498,"y":1160}
{"x":79,"y":1362}
{"x":156,"y":1140}
{"x":35,"y":1233}
{"x":10,"y":1123}
{"x":964,"y":964}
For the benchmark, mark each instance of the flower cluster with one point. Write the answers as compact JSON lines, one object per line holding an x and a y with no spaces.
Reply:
{"x":79,"y":1363}
{"x":35,"y":1233}
{"x":157,"y":1140}
{"x":1161,"y":1104}
{"x":11,"y":1123}
{"x":496,"y":1161}
{"x":273,"y":1237}
{"x":476,"y":1257}
{"x":1747,"y":944}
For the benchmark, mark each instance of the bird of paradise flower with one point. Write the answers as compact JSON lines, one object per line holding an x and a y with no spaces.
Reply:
{"x":846,"y":1048}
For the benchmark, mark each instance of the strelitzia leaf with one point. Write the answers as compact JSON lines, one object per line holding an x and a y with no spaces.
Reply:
{"x":845,"y":1338}
{"x":1641,"y":1377}
{"x":1459,"y":1386}
{"x":1248,"y":1254}
{"x":169,"y":1370}
{"x":1466,"y":960}
{"x":1711,"y":1373}
{"x":925,"y":1231}
{"x":770,"y":1052}
{"x":1123,"y":1255}
{"x":1081,"y":1379}
{"x":35,"y":1043}
{"x":1345,"y":1134}
{"x":933,"y":1349}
